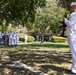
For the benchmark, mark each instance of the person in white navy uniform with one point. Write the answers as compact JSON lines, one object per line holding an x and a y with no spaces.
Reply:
{"x":17,"y":39}
{"x":0,"y":36}
{"x":71,"y":34}
{"x":26,"y":38}
{"x":13,"y":38}
{"x":10,"y":38}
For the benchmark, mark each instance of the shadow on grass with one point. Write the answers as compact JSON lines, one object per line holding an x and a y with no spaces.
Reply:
{"x":31,"y":57}
{"x":45,"y":59}
{"x":57,"y":70}
{"x":7,"y":71}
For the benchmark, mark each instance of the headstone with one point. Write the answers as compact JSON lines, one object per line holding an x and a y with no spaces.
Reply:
{"x":6,"y":57}
{"x":17,"y":64}
{"x":37,"y":73}
{"x":45,"y":74}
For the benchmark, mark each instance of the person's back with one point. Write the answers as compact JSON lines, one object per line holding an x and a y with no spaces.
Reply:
{"x":7,"y":39}
{"x":4,"y":38}
{"x":10,"y":34}
{"x":26,"y":38}
{"x":0,"y":35}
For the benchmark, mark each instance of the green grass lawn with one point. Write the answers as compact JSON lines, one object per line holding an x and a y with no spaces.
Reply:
{"x":51,"y":58}
{"x":49,"y":46}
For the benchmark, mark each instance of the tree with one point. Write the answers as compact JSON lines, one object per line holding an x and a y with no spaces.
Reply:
{"x":42,"y":24}
{"x":65,"y":3}
{"x":48,"y":18}
{"x":18,"y":11}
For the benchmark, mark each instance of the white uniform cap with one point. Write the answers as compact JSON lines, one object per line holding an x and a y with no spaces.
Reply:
{"x":73,"y":3}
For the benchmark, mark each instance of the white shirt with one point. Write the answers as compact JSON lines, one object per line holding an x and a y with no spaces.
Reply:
{"x":0,"y":35}
{"x":16,"y":35}
{"x":26,"y":36}
{"x":10,"y":34}
{"x":71,"y":24}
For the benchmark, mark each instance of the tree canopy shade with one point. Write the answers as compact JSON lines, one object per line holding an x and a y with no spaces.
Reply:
{"x":19,"y":11}
{"x":65,"y":3}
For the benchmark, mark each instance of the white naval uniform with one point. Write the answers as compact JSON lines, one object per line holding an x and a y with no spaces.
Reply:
{"x":10,"y":38}
{"x":0,"y":35}
{"x":15,"y":38}
{"x":71,"y":38}
{"x":26,"y":38}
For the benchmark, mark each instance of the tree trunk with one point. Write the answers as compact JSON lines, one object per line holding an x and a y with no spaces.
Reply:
{"x":56,"y":32}
{"x":37,"y":37}
{"x":2,"y":27}
{"x":42,"y":38}
{"x":6,"y":25}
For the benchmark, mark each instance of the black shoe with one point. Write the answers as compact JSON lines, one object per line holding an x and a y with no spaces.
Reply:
{"x":70,"y":72}
{"x":73,"y":73}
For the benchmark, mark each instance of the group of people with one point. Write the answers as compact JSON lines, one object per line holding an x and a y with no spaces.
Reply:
{"x":10,"y":38}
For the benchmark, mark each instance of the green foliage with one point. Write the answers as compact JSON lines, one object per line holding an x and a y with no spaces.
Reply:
{"x":30,"y":39}
{"x":48,"y":18}
{"x":20,"y":31}
{"x":22,"y":39}
{"x":51,"y":57}
{"x":58,"y":39}
{"x":65,"y":3}
{"x":18,"y":11}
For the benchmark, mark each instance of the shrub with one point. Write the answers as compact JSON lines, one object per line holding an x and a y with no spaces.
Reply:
{"x":30,"y":39}
{"x":22,"y":39}
{"x":58,"y":39}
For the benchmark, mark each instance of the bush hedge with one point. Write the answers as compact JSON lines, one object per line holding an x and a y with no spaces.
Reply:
{"x":21,"y":39}
{"x":30,"y":39}
{"x":58,"y":39}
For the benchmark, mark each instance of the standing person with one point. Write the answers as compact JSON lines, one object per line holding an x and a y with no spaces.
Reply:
{"x":5,"y":42}
{"x":13,"y":38}
{"x":3,"y":38}
{"x":16,"y":38}
{"x":7,"y":39}
{"x":71,"y":34}
{"x":26,"y":38}
{"x":0,"y":37}
{"x":10,"y":38}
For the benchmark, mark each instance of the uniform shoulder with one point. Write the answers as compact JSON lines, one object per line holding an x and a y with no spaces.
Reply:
{"x":73,"y":13}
